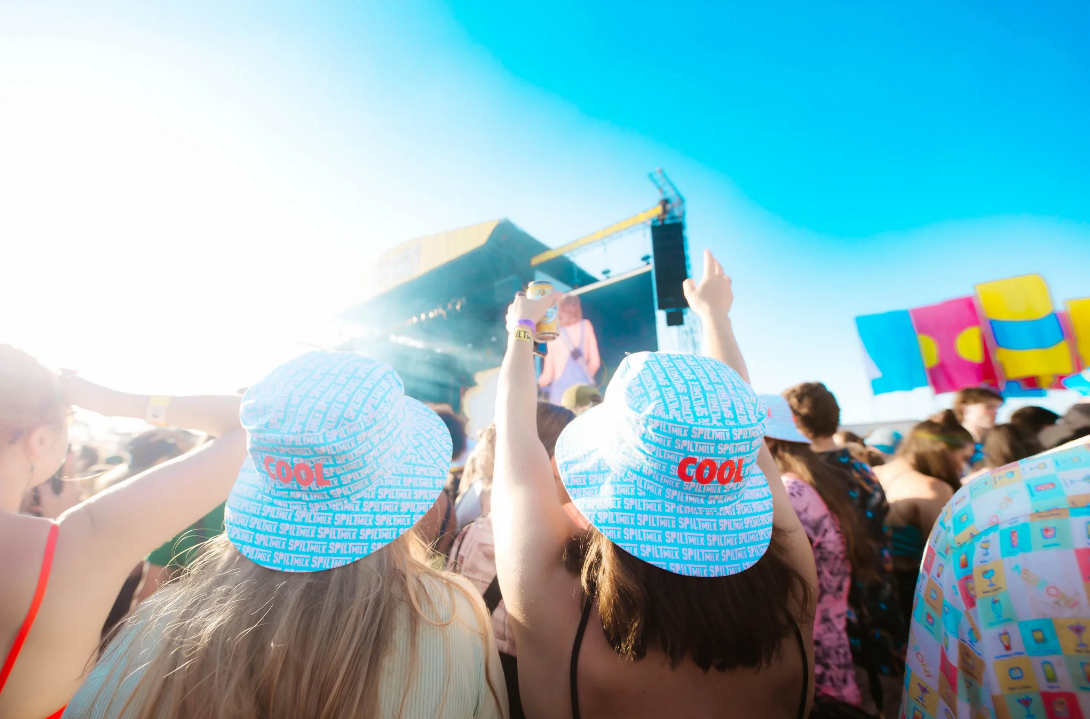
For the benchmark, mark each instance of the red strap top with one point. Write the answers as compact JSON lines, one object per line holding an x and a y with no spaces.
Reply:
{"x":43,"y":580}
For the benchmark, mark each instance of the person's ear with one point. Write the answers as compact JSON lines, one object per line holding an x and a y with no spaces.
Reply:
{"x":38,"y":444}
{"x":556,"y":470}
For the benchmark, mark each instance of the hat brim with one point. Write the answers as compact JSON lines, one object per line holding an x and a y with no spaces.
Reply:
{"x":713,"y":540}
{"x":293,"y":536}
{"x":785,"y":432}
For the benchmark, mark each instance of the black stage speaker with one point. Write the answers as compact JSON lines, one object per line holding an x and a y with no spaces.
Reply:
{"x":671,"y":264}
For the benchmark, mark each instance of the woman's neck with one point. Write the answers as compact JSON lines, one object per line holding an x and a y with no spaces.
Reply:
{"x":13,"y":485}
{"x":823,"y":444}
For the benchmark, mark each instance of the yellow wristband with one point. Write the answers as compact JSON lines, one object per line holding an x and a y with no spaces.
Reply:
{"x":522,"y":333}
{"x":157,"y":410}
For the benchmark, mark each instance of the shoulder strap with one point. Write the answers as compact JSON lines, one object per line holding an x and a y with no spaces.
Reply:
{"x":43,"y":581}
{"x":805,"y":672}
{"x":456,"y":548}
{"x":492,"y":595}
{"x":574,"y":678}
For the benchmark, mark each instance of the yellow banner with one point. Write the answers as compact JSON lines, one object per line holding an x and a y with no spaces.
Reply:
{"x":1078,"y":312}
{"x":1024,"y":330}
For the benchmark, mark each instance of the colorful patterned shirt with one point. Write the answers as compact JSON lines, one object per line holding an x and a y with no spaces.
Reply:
{"x":877,"y":598}
{"x":978,"y":454}
{"x":834,"y":674}
{"x":1001,"y":610}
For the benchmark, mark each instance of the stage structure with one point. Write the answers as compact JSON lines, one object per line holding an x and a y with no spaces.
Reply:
{"x":437,"y":304}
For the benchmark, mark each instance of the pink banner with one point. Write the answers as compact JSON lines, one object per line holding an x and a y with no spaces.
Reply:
{"x":952,"y":345}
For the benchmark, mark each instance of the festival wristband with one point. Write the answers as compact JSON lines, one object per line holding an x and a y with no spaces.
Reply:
{"x":157,"y":410}
{"x":528,"y":324}
{"x":521,"y":333}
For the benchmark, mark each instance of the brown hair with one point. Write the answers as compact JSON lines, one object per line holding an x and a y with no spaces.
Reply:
{"x":457,"y":428}
{"x":1034,"y":418}
{"x":718,"y":622}
{"x":845,"y":437}
{"x":816,"y":412}
{"x":858,"y":449}
{"x":866,"y":454}
{"x":973,"y":395}
{"x":233,"y":638}
{"x":929,"y":445}
{"x":832,"y":485}
{"x":551,"y":421}
{"x":1008,"y":443}
{"x":481,"y":463}
{"x":29,"y":395}
{"x":570,"y":311}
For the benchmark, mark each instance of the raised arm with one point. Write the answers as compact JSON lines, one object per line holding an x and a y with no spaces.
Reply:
{"x":117,"y":528}
{"x":529,"y":525}
{"x":548,"y":369}
{"x":594,"y":360}
{"x":712,"y":300}
{"x":214,"y":414}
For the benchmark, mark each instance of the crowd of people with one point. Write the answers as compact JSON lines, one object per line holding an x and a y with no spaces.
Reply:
{"x":324,"y":546}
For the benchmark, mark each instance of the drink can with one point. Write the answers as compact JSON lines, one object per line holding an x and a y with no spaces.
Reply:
{"x":547,"y":328}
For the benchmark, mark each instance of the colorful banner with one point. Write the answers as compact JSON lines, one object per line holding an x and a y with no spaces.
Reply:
{"x":1078,"y":318}
{"x":892,"y":352}
{"x":952,"y":345}
{"x":1079,"y":382}
{"x":1024,"y":388}
{"x":1026,"y":335}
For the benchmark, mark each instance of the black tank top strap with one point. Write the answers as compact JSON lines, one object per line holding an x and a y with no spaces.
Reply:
{"x":805,"y":671}
{"x":574,"y":679}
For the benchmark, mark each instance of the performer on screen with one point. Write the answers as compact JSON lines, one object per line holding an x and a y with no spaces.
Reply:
{"x":573,"y":356}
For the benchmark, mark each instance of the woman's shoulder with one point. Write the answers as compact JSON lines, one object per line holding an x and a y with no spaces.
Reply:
{"x":118,"y":671}
{"x":454,"y":646}
{"x":912,"y":485}
{"x":451,"y":596}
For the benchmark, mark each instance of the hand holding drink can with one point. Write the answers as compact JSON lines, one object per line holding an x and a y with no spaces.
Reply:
{"x":548,"y":327}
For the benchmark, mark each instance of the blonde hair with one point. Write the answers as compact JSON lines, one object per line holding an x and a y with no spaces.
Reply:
{"x":481,"y":462}
{"x":235,"y":639}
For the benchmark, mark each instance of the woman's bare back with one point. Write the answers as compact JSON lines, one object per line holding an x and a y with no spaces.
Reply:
{"x":610,"y":686}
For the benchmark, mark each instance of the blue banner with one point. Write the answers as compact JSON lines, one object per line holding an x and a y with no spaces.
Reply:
{"x":889,"y":340}
{"x":1036,"y":334}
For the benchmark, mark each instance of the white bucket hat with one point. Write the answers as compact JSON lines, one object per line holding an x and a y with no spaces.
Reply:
{"x":341,"y":463}
{"x":781,"y":420}
{"x":666,"y":466}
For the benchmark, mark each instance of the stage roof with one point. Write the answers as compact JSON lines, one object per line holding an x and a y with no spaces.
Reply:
{"x":410,"y":259}
{"x":482,"y":260}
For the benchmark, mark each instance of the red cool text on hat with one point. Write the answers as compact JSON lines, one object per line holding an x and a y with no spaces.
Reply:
{"x":301,"y":472}
{"x":726,"y":472}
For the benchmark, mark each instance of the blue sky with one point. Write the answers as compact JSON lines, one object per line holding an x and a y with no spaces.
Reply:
{"x":249,"y":159}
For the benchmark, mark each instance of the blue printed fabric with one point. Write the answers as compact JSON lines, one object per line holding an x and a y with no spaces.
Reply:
{"x":1001,"y":608}
{"x":666,"y":466}
{"x":340,"y":464}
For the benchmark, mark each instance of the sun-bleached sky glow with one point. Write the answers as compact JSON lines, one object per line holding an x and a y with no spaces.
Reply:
{"x":189,"y":193}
